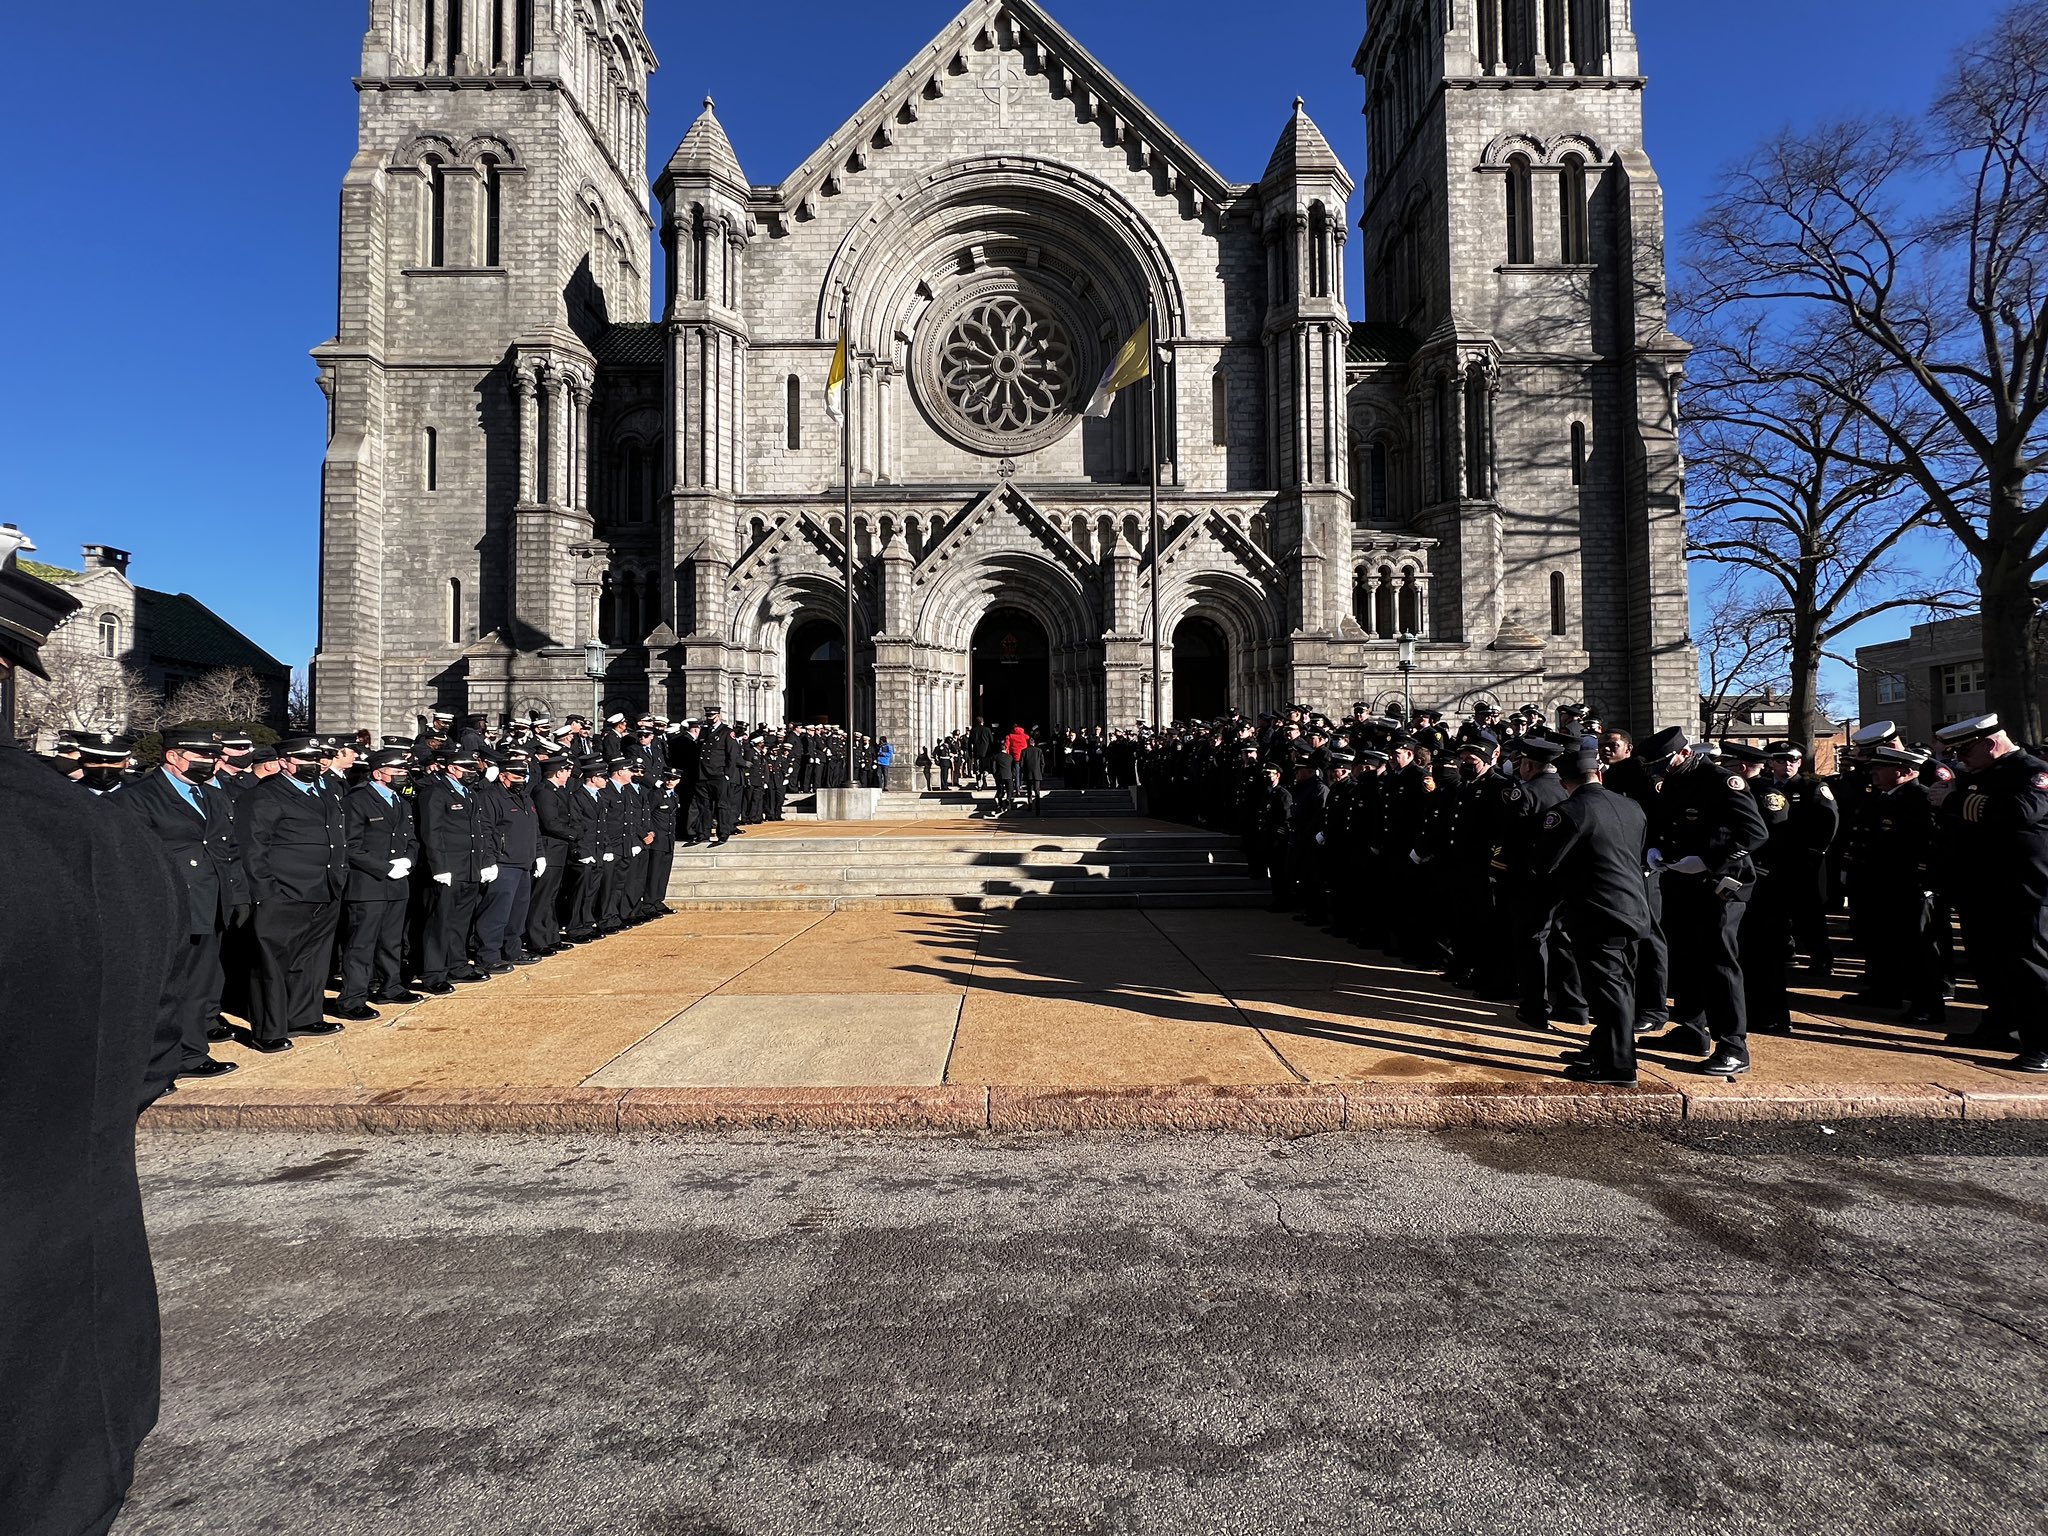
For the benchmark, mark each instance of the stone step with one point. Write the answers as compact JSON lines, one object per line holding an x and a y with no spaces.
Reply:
{"x":879,"y":852}
{"x":943,"y":883}
{"x":1107,"y":901}
{"x":1137,"y":845}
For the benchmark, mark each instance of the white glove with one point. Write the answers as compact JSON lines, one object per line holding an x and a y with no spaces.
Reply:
{"x":1414,"y":857}
{"x":610,"y":857}
{"x":635,"y":850}
{"x":1654,"y":858}
{"x":591,"y":860}
{"x":400,"y":868}
{"x":540,"y":866}
{"x":444,"y":879}
{"x":490,"y":773}
{"x":489,"y":873}
{"x":1691,"y":864}
{"x":1319,"y":839}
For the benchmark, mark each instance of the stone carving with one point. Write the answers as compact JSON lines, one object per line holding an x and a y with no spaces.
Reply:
{"x":1001,"y":374}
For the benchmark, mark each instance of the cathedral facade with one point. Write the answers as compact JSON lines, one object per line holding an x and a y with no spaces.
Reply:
{"x":522,"y":465}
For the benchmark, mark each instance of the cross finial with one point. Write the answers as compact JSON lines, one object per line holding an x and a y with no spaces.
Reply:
{"x":1299,"y":103}
{"x":709,"y":104}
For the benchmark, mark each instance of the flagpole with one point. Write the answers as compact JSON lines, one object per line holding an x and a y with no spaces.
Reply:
{"x":1152,"y":414}
{"x":846,"y":480}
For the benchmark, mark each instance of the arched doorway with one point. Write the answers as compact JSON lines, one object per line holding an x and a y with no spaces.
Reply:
{"x":1011,"y":676}
{"x":1201,"y":671}
{"x":817,"y":673}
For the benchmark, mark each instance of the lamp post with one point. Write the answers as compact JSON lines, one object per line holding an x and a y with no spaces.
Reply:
{"x":1406,"y":662}
{"x":593,"y":668}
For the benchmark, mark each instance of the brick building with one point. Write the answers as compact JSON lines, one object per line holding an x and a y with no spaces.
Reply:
{"x":1933,"y":677}
{"x":521,"y":463}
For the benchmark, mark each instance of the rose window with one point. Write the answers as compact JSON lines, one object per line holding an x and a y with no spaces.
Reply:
{"x":1001,"y":373}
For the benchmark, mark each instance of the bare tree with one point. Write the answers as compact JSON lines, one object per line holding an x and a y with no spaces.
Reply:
{"x":298,"y":708}
{"x":1830,"y":229}
{"x":230,"y":695}
{"x":1797,"y":491}
{"x":1741,"y":639}
{"x":85,"y":691}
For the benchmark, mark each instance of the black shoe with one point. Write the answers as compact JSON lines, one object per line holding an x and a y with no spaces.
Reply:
{"x":399,"y":999}
{"x":437,"y":988}
{"x":264,"y":1047}
{"x":502,"y":968}
{"x":1725,"y":1062}
{"x":206,"y":1066}
{"x":1681,"y":1042}
{"x":2033,"y":1062}
{"x":527,"y":960}
{"x":219,"y":1032}
{"x":1649,"y":1026}
{"x":360,"y":1014}
{"x":467,"y":976}
{"x":324,"y":1027}
{"x":1528,"y":1020}
{"x":1770,"y":1029}
{"x":1603,"y":1076}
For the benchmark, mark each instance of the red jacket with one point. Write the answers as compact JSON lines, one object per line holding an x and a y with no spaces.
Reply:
{"x":1015,"y":743}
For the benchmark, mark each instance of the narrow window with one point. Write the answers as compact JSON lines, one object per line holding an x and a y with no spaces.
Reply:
{"x":1521,"y":36}
{"x":454,"y":33}
{"x":1578,"y":453}
{"x":110,"y":634}
{"x":525,"y":30}
{"x":795,"y":432}
{"x":1376,"y":490}
{"x":430,"y":460}
{"x":1318,"y":251}
{"x":1573,"y":241}
{"x":1411,"y":604}
{"x":542,"y":436}
{"x":1478,"y":472}
{"x":497,"y":34}
{"x":431,"y":52}
{"x":1219,"y":409}
{"x":454,"y":610}
{"x":437,"y":215}
{"x":1556,"y":44}
{"x":494,"y":202}
{"x":1557,"y":624}
{"x":1521,"y":204}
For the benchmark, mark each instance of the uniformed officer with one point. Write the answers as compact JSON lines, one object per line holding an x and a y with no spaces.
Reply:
{"x":1994,"y":831}
{"x":1890,"y":868}
{"x":1704,"y":836}
{"x":104,"y":760}
{"x":457,"y":852}
{"x":551,"y":789}
{"x":296,"y":853}
{"x":590,"y":873}
{"x":1547,"y":979}
{"x":1588,"y":858}
{"x":1761,"y":941}
{"x":383,"y":851}
{"x":1799,"y":855}
{"x":514,"y":830}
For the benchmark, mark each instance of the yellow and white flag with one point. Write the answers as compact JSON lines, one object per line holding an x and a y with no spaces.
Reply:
{"x":835,"y":382}
{"x":1132,"y":363}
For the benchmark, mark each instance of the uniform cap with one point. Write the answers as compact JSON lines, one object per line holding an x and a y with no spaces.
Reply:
{"x":234,"y":741}
{"x":1743,"y":752}
{"x":596,"y":768}
{"x":198,"y":743}
{"x":1876,"y":731}
{"x":1963,"y":732}
{"x":258,"y":755}
{"x":1375,"y":758}
{"x":1482,"y":742}
{"x":441,"y":717}
{"x":1901,"y":757}
{"x":614,"y":719}
{"x":1343,"y":759}
{"x":305,"y":749}
{"x":454,"y":757}
{"x":390,"y":757}
{"x":104,"y":747}
{"x":1783,"y":751}
{"x":1668,"y":742}
{"x":1543,"y":748}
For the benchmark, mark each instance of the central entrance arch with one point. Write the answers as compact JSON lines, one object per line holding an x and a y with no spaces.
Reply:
{"x":1010,"y":670}
{"x":1201,"y":670}
{"x":816,"y":678}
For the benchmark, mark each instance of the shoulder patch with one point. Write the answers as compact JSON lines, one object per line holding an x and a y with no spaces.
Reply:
{"x":2041,"y":781}
{"x":1824,"y":792}
{"x":1515,"y":793}
{"x":1554,"y":819}
{"x":1737,"y":782}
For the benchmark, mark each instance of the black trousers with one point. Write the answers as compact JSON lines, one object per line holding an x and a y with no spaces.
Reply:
{"x":661,"y":863}
{"x":1704,"y":932}
{"x":586,"y":889}
{"x":1761,"y":945}
{"x":1607,"y":965}
{"x":1546,"y":975}
{"x":501,"y":916}
{"x":294,"y":948}
{"x":193,"y":985}
{"x":1653,"y":961}
{"x":1806,"y":907}
{"x":451,"y":912}
{"x":2008,"y":949}
{"x":543,"y":912}
{"x":372,"y":950}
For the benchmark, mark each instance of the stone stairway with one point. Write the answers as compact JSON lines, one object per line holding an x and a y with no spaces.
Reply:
{"x":966,"y":871}
{"x":949,"y":804}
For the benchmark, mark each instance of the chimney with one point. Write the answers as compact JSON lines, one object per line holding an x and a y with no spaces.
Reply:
{"x":104,"y":557}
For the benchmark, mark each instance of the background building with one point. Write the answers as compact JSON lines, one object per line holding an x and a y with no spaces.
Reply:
{"x":522,"y":464}
{"x":1932,"y":677}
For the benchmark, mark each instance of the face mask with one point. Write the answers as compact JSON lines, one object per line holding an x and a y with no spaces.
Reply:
{"x":197,"y":770}
{"x":306,"y":773}
{"x":398,"y":781}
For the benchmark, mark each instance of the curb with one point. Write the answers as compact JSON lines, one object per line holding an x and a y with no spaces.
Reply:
{"x":1262,"y":1110}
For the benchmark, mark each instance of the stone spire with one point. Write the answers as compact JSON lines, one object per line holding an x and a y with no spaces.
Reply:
{"x":1303,"y":150}
{"x":707,"y":152}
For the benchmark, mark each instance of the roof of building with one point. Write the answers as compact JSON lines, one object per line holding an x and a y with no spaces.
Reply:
{"x":1379,"y":341}
{"x":632,"y":344}
{"x":1302,"y":147}
{"x":55,"y":573}
{"x":181,"y":628}
{"x":705,"y":148}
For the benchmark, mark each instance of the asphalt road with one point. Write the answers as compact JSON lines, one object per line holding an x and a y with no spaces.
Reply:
{"x":748,"y":1335}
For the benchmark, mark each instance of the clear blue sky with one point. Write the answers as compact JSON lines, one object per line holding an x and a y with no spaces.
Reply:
{"x":175,"y":171}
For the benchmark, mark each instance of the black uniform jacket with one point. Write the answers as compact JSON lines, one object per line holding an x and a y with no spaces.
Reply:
{"x":201,"y":847}
{"x":295,"y":843}
{"x":90,"y":913}
{"x":455,"y":834}
{"x":1589,"y":852}
{"x":559,"y":826}
{"x":515,"y":827}
{"x":379,"y":832}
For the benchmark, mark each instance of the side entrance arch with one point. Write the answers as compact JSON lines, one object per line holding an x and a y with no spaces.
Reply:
{"x":816,"y":679}
{"x":1201,"y":670}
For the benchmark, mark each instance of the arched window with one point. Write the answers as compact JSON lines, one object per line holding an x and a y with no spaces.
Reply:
{"x":1520,"y":41}
{"x":1557,"y":613}
{"x":430,"y":459}
{"x":1556,"y":41}
{"x":430,"y":46}
{"x":1384,"y":616}
{"x":454,"y":610}
{"x":1478,"y":411}
{"x":1521,"y":213}
{"x":1318,"y":251}
{"x":1219,"y":409}
{"x":1376,"y":483}
{"x":1576,"y":248}
{"x":1578,"y":453}
{"x":525,"y":24}
{"x":434,"y":239}
{"x":650,"y":604}
{"x":454,"y":34}
{"x":110,"y":634}
{"x":794,"y":431}
{"x":494,"y":202}
{"x":627,"y":506}
{"x":1592,"y":25}
{"x":1411,"y":603}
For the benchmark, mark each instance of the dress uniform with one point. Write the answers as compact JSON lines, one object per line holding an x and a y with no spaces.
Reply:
{"x":296,"y":852}
{"x":1546,"y":979}
{"x":590,"y":874}
{"x":383,"y":851}
{"x":196,"y":828}
{"x":1704,"y":835}
{"x":1889,"y":865}
{"x":665,"y":802}
{"x":457,"y":852}
{"x":513,"y":827}
{"x":1761,"y":942}
{"x":1994,"y":832}
{"x":1799,"y":855}
{"x":551,"y":791}
{"x":1588,"y":857}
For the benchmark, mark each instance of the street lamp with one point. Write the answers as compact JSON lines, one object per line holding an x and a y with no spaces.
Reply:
{"x":593,"y":668}
{"x":1406,"y":662}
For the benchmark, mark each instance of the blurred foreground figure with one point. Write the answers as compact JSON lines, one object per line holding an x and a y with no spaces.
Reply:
{"x":89,"y":916}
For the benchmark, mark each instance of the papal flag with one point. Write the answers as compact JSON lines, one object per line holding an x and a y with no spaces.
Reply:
{"x":835,"y":381}
{"x":1132,"y":363}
